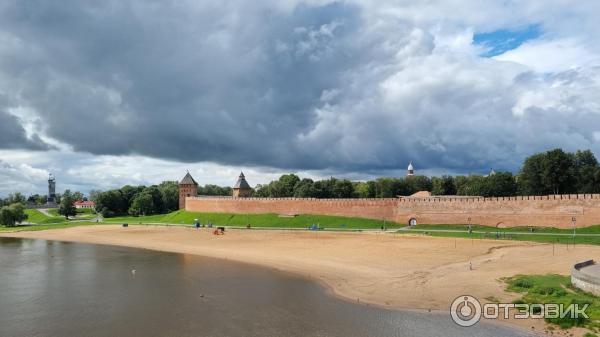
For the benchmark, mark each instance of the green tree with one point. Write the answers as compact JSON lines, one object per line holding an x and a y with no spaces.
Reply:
{"x":391,"y":187}
{"x":15,"y":198}
{"x":142,"y":204}
{"x":443,"y":185}
{"x":500,"y":184}
{"x":169,"y":191}
{"x":214,"y":190}
{"x":42,"y":200}
{"x":13,"y":214}
{"x":558,"y":171}
{"x":157,"y":201}
{"x":66,"y":206}
{"x":474,"y":185}
{"x":111,"y":203}
{"x":587,"y":172}
{"x":77,"y":196}
{"x":262,"y":191}
{"x":418,"y":183}
{"x":94,"y":195}
{"x":343,"y":189}
{"x":305,"y":189}
{"x":364,"y":189}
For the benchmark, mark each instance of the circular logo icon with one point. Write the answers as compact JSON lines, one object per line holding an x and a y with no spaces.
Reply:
{"x":465,"y":311}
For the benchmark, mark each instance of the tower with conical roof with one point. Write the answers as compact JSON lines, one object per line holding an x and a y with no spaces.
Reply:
{"x":411,"y":170}
{"x":242,"y":189}
{"x":188,"y":187}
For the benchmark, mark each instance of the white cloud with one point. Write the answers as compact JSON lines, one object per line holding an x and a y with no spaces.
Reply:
{"x":354,"y":89}
{"x":552,"y":56}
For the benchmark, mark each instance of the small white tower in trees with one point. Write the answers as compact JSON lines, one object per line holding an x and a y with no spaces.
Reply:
{"x":411,"y":170}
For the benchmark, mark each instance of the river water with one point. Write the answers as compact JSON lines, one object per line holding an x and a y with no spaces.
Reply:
{"x":51,"y":288}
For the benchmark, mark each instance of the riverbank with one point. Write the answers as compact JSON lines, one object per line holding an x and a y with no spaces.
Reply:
{"x":392,"y":271}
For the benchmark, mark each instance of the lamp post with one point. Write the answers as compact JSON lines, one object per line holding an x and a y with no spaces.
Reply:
{"x":470,"y":230}
{"x":574,"y":221}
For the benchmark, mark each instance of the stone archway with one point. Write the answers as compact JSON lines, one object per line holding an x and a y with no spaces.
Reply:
{"x":500,"y":225}
{"x":412,"y":221}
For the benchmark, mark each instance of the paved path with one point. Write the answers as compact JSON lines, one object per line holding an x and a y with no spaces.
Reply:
{"x":492,"y":232}
{"x":45,"y":212}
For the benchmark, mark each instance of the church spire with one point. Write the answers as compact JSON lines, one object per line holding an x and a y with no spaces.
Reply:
{"x":411,"y":169}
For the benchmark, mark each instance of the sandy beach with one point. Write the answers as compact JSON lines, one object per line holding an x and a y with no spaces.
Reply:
{"x":393,"y":271}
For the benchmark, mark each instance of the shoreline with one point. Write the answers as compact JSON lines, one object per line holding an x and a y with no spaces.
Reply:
{"x":419,"y":274}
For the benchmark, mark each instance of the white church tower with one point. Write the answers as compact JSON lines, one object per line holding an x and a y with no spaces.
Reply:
{"x":411,"y":170}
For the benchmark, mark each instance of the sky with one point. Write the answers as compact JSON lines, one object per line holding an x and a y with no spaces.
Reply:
{"x":107,"y":93}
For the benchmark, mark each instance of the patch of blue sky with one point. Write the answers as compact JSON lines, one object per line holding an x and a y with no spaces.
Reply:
{"x":500,"y":41}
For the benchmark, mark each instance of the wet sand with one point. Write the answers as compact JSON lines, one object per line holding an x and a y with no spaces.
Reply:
{"x":392,"y":271}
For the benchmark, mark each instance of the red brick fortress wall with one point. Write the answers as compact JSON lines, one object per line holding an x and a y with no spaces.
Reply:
{"x":541,"y":211}
{"x":550,"y":211}
{"x":361,"y":208}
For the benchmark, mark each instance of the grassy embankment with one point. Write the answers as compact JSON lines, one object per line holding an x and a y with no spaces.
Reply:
{"x":587,"y":235}
{"x":41,"y":221}
{"x":42,"y":227}
{"x":82,"y":213}
{"x":37,"y":217}
{"x":556,"y":289}
{"x":258,"y":220}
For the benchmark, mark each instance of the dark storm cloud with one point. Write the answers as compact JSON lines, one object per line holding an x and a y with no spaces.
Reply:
{"x":330,"y":86}
{"x":13,"y":135}
{"x":231,"y":83}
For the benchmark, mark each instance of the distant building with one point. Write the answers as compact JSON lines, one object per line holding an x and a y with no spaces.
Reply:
{"x":242,"y":189}
{"x":188,"y":187}
{"x":84,"y":204}
{"x":411,"y":170}
{"x":51,"y":191}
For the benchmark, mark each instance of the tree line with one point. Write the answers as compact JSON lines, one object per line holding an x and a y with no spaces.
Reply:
{"x":551,"y":172}
{"x":138,"y":200}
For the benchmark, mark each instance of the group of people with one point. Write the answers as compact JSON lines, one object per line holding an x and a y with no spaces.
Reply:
{"x":217,"y":231}
{"x":197,"y":224}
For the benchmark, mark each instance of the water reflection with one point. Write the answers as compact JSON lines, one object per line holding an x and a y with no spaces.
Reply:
{"x":67,"y":289}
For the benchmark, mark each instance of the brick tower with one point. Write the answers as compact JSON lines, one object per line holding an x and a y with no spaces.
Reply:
{"x":188,"y":187}
{"x":242,"y":189}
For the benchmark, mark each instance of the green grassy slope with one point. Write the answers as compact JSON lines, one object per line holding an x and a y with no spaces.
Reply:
{"x":37,"y":217}
{"x":587,"y":235}
{"x":556,"y":289}
{"x":258,"y":220}
{"x":44,"y":226}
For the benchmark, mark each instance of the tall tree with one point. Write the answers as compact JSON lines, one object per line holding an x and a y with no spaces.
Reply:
{"x":15,"y":198}
{"x":343,"y":189}
{"x":500,"y":184}
{"x":169,"y":191}
{"x":443,"y":186}
{"x":418,"y":183}
{"x":530,"y":178}
{"x":142,"y":204}
{"x":66,"y":207}
{"x":305,"y":189}
{"x":558,"y":172}
{"x":13,"y":214}
{"x":77,"y":196}
{"x":587,"y":172}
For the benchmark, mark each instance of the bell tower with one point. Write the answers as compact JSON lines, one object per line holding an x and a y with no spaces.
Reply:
{"x":188,"y":187}
{"x":410,"y":171}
